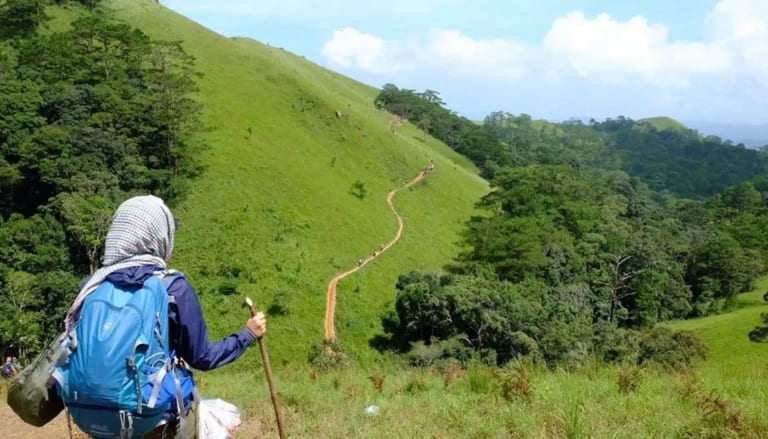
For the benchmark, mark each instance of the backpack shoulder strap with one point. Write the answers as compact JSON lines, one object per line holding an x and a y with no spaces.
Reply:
{"x":168,"y":277}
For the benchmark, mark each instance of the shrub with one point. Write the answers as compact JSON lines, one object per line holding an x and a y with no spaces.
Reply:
{"x":423,"y":355}
{"x":439,"y":351}
{"x":279,"y":304}
{"x":515,"y":381}
{"x":690,"y":384}
{"x":358,"y":190}
{"x":416,"y":385}
{"x":228,"y":288}
{"x":759,"y":334}
{"x":525,"y":346}
{"x":619,"y":345}
{"x":327,"y":356}
{"x":480,"y":381}
{"x":671,"y":349}
{"x":630,"y":378}
{"x":455,"y":349}
{"x":378,"y":382}
{"x":353,"y":391}
{"x":720,"y":417}
{"x":453,"y":372}
{"x":230,"y":270}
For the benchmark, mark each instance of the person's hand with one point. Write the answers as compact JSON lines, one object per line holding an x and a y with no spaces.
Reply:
{"x":257,"y":325}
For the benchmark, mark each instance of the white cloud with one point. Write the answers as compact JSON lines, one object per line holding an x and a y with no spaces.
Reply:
{"x":741,"y":26}
{"x":600,"y":48}
{"x":351,"y":47}
{"x":446,"y":50}
{"x":495,"y":57}
{"x":613,"y":50}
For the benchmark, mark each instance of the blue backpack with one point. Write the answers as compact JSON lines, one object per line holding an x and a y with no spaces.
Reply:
{"x":121,"y":379}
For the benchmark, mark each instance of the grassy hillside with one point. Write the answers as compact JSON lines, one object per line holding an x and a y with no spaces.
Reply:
{"x":663,"y":123}
{"x":273,"y":217}
{"x":737,"y":366}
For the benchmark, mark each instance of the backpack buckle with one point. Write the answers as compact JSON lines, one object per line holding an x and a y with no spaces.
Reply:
{"x":126,"y":425}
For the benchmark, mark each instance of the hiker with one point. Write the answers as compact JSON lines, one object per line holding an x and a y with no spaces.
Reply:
{"x":137,"y":249}
{"x":9,"y":368}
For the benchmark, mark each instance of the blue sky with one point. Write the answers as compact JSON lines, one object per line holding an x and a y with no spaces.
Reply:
{"x":695,"y":60}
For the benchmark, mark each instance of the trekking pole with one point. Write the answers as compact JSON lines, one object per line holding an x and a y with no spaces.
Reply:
{"x":268,"y":373}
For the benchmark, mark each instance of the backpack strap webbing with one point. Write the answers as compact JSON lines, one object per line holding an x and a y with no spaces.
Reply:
{"x":180,"y":404}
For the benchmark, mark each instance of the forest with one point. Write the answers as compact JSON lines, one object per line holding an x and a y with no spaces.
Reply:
{"x":89,"y":116}
{"x":586,"y":240}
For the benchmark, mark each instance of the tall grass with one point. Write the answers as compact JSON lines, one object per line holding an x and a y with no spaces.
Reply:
{"x":724,"y":397}
{"x":416,"y":403}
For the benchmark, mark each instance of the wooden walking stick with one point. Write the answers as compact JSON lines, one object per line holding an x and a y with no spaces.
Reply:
{"x":268,"y":373}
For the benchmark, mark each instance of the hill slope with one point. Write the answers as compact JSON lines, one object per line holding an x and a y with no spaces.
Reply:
{"x":735,"y":363}
{"x":664,"y":123}
{"x":273,"y":215}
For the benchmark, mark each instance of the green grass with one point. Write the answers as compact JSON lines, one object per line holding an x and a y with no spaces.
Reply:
{"x":417,"y":403}
{"x":737,"y":367}
{"x":664,"y":123}
{"x":273,"y":213}
{"x":562,"y":404}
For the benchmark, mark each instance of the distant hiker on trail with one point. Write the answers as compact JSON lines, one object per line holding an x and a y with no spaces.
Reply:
{"x":138,"y":246}
{"x":9,"y":368}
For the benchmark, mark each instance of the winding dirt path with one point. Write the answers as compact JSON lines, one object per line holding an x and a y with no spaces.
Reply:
{"x":330,"y":301}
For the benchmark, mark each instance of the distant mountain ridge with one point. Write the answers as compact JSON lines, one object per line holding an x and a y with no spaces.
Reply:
{"x":752,"y":136}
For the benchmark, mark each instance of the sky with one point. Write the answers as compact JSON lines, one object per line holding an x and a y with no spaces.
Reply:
{"x":694,"y":60}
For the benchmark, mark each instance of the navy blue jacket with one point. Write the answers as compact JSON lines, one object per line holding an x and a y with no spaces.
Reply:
{"x":187,"y":330}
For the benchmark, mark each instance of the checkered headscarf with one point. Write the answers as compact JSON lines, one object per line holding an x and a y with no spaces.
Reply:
{"x":141,"y":233}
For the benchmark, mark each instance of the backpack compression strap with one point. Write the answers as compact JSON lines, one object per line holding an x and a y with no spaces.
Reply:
{"x":168,"y":277}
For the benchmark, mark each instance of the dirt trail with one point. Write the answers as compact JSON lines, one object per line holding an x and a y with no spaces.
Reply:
{"x":330,"y":301}
{"x":11,"y":426}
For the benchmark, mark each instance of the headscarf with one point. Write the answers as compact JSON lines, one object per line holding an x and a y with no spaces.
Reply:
{"x":141,"y":233}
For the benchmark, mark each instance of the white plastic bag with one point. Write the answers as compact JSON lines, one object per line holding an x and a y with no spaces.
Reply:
{"x":217,"y":419}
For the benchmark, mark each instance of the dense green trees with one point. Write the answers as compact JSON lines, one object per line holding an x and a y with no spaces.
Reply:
{"x":561,"y":262}
{"x":21,"y":18}
{"x":88,"y":117}
{"x":427,"y":112}
{"x":499,"y":320}
{"x":581,"y":241}
{"x":681,"y":161}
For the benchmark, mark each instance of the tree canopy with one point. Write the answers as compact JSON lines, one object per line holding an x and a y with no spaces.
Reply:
{"x":88,"y":117}
{"x":585,"y":237}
